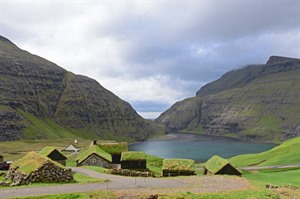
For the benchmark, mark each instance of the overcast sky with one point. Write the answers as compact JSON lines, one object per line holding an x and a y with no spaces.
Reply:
{"x":153,"y":53}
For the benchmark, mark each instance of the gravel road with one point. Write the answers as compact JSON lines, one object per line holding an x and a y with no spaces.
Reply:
{"x":133,"y":186}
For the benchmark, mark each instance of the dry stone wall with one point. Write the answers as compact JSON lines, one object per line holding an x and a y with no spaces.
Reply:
{"x":48,"y":172}
{"x":95,"y":160}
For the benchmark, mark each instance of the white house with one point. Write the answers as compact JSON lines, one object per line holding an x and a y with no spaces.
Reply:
{"x":71,"y":148}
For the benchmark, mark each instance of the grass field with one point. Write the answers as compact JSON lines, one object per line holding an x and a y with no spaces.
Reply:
{"x":284,"y":154}
{"x":248,"y":194}
{"x":13,"y":150}
{"x":278,"y":177}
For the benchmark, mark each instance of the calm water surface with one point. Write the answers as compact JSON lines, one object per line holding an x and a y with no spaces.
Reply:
{"x":199,"y":147}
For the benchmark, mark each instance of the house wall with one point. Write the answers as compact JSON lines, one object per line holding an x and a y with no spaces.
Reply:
{"x":167,"y":173}
{"x":134,"y":164}
{"x":116,"y":158}
{"x":95,"y":160}
{"x":229,"y":170}
{"x":56,"y":156}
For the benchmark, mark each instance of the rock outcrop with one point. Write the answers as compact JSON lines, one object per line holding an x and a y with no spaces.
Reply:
{"x":40,"y":100}
{"x":256,"y":102}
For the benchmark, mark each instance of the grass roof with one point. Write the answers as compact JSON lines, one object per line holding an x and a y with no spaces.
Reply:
{"x":96,"y":150}
{"x":133,"y":155}
{"x":49,"y":149}
{"x":178,"y":165}
{"x":216,"y":163}
{"x":32,"y":161}
{"x":114,"y":147}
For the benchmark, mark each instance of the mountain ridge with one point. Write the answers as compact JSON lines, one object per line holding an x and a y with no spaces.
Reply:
{"x":38,"y":96}
{"x":255,"y":102}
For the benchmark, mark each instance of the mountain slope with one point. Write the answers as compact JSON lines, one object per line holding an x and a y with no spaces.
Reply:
{"x":256,"y":102}
{"x":40,"y":100}
{"x":284,"y":154}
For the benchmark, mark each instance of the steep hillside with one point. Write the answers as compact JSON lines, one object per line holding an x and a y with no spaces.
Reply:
{"x":284,"y":154}
{"x":40,"y":100}
{"x":256,"y":102}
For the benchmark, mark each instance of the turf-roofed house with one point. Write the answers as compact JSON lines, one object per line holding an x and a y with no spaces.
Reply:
{"x":72,"y":148}
{"x":34,"y":167}
{"x":178,"y":167}
{"x":217,"y":165}
{"x":54,"y":154}
{"x":134,"y":160}
{"x":94,"y":156}
{"x":115,"y":149}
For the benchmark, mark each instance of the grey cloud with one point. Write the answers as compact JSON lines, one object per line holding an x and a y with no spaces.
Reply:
{"x":187,"y":43}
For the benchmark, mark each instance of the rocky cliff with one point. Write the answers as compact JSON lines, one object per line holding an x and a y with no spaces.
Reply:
{"x":259,"y":102}
{"x":40,"y":100}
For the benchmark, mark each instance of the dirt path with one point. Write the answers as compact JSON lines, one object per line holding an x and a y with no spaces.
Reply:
{"x":135,"y":186}
{"x":270,"y":167}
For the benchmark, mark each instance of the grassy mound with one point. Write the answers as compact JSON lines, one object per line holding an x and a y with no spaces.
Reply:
{"x":32,"y":161}
{"x":284,"y":154}
{"x":114,"y":148}
{"x":178,"y":165}
{"x":133,"y":155}
{"x":49,"y":149}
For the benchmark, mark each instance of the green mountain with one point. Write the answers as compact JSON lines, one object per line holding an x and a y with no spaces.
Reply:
{"x":259,"y":102}
{"x":40,"y":100}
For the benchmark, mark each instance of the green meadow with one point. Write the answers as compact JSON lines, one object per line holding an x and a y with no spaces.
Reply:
{"x":286,"y":153}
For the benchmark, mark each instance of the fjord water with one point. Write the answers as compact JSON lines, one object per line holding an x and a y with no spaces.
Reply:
{"x":199,"y":147}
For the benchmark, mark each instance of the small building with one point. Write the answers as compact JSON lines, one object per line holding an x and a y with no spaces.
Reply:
{"x":178,"y":167}
{"x":219,"y":166}
{"x":94,"y":156}
{"x":134,"y":160}
{"x":115,"y":149}
{"x":54,"y":154}
{"x":34,"y":167}
{"x":71,"y":148}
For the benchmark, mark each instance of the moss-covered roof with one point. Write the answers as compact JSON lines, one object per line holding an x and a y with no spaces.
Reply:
{"x":32,"y":161}
{"x":133,"y":156}
{"x":216,"y":163}
{"x":96,"y":150}
{"x":178,"y":165}
{"x":49,"y":149}
{"x":114,"y":147}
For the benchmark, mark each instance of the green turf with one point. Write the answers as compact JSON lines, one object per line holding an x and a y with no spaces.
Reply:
{"x":32,"y":161}
{"x":154,"y":164}
{"x":133,"y":155}
{"x":114,"y":148}
{"x":246,"y":194}
{"x":178,"y":165}
{"x":48,"y":150}
{"x":279,"y":177}
{"x":284,"y":154}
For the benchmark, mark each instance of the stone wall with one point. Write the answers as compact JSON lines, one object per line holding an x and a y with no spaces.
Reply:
{"x":95,"y":160}
{"x":132,"y":173}
{"x":48,"y":172}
